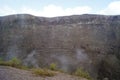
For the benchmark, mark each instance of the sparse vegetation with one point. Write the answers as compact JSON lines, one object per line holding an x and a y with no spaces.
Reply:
{"x":43,"y":72}
{"x":80,"y":72}
{"x":14,"y":62}
{"x":2,"y":62}
{"x":53,"y":66}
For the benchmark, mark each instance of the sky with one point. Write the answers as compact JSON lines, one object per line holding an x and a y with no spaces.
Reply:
{"x":53,"y":8}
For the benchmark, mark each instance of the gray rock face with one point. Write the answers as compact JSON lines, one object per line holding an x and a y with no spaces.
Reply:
{"x":88,"y":41}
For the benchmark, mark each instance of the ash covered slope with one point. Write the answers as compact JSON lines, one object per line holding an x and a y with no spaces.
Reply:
{"x":88,"y":41}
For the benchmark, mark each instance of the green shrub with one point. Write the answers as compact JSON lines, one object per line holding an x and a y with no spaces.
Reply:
{"x":53,"y":66}
{"x":80,"y":72}
{"x":3,"y":63}
{"x":43,"y":72}
{"x":14,"y":62}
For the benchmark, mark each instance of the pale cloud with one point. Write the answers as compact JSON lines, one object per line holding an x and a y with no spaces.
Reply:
{"x":112,"y":9}
{"x":48,"y":11}
{"x":53,"y":10}
{"x":78,"y":10}
{"x":7,"y":11}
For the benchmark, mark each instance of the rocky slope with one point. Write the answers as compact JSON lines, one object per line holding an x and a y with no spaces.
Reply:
{"x":88,"y":41}
{"x":9,"y":73}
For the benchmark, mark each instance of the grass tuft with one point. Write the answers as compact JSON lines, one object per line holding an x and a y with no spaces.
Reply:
{"x":80,"y":72}
{"x":53,"y":66}
{"x":14,"y":62}
{"x":43,"y":72}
